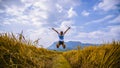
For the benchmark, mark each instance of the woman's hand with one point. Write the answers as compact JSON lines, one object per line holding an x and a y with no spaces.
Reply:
{"x":53,"y":29}
{"x":69,"y":27}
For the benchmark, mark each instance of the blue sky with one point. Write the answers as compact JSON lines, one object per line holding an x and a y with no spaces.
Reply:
{"x":91,"y":21}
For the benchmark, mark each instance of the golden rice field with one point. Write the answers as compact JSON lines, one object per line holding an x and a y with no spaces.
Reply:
{"x":103,"y":56}
{"x":17,"y":52}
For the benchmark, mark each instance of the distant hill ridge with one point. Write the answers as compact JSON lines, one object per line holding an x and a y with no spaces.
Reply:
{"x":69,"y":45}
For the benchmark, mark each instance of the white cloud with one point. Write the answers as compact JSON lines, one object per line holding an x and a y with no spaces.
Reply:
{"x":85,"y":13}
{"x":71,"y":13}
{"x":14,"y":10}
{"x":39,"y":15}
{"x":1,"y":11}
{"x":100,"y":20}
{"x":46,"y":36}
{"x":59,"y":8}
{"x":99,"y":36}
{"x":66,"y":23}
{"x":7,"y":23}
{"x":68,"y":3}
{"x":107,"y":5}
{"x":40,"y":11}
{"x":116,"y":19}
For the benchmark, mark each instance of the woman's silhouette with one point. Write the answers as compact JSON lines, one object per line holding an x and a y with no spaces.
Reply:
{"x":61,"y":37}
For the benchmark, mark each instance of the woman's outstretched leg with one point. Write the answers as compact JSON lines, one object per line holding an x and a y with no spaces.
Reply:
{"x":64,"y":46}
{"x":57,"y":45}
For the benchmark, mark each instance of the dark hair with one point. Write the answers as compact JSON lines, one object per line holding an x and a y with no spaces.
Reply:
{"x":61,"y":32}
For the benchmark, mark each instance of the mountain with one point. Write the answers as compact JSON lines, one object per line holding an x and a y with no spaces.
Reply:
{"x":69,"y":45}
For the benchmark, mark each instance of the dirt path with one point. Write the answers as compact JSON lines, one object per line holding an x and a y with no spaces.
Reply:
{"x":60,"y":62}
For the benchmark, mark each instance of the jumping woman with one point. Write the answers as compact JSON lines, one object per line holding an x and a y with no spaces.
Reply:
{"x":61,"y":38}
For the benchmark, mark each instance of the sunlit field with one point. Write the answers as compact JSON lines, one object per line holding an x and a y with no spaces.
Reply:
{"x":103,"y":56}
{"x":17,"y":52}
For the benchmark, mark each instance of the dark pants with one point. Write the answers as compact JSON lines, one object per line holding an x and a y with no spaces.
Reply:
{"x":60,"y":43}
